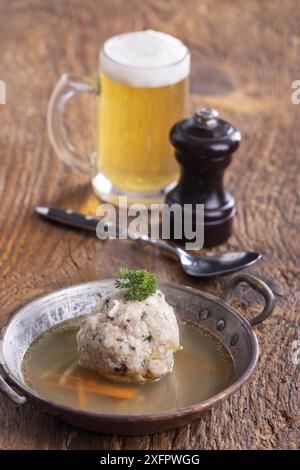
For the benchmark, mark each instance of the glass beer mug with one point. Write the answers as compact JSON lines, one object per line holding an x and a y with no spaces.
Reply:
{"x":141,"y":92}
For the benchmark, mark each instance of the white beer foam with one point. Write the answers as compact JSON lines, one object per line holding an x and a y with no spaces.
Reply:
{"x":145,"y":59}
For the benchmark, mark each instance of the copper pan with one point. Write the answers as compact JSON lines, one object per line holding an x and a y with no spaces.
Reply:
{"x":217,"y":316}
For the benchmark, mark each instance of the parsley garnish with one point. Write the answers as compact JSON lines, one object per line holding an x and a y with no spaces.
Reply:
{"x":140,"y":284}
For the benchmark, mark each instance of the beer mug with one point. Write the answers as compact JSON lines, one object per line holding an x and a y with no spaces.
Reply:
{"x":141,"y":91}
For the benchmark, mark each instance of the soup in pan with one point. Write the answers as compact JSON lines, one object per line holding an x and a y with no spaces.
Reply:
{"x":202,"y":369}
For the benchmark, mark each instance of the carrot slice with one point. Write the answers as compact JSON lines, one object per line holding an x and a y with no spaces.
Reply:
{"x":81,"y":395}
{"x":67,"y":373}
{"x":110,"y":390}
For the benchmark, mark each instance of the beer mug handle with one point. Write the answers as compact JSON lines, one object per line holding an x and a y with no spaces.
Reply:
{"x":65,"y":88}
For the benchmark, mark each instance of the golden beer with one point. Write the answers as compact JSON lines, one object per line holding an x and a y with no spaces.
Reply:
{"x":133,"y":133}
{"x":143,"y":84}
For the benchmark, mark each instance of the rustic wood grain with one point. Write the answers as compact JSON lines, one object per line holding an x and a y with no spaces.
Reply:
{"x":245,"y":56}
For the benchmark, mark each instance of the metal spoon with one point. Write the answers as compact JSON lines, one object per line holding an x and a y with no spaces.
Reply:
{"x":206,"y":266}
{"x":194,"y":265}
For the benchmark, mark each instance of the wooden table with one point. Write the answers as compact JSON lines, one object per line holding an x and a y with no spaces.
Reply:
{"x":245,"y":56}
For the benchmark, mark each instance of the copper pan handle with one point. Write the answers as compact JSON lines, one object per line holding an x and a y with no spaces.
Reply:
{"x":10,"y":392}
{"x":259,"y":286}
{"x":5,"y":388}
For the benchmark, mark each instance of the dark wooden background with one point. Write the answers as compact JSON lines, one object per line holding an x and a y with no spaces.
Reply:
{"x":245,"y":56}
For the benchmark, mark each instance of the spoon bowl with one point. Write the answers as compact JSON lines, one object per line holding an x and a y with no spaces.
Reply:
{"x":206,"y":266}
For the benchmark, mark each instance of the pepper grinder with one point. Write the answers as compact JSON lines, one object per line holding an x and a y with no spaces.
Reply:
{"x":204,"y":145}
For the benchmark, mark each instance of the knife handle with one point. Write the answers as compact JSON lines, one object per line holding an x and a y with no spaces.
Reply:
{"x":71,"y":218}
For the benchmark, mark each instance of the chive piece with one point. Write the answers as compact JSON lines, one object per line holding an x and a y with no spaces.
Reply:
{"x":148,"y":338}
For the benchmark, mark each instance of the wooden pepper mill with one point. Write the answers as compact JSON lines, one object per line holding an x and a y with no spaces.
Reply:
{"x":204,"y":145}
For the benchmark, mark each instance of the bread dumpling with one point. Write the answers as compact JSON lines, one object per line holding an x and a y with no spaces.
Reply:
{"x":130,"y":340}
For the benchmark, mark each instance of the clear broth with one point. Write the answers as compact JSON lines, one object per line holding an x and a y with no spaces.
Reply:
{"x":203,"y":369}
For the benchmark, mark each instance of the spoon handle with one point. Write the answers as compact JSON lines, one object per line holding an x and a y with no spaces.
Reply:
{"x":161,"y":244}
